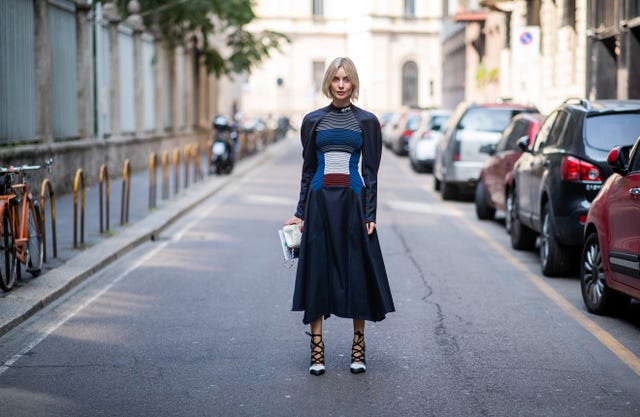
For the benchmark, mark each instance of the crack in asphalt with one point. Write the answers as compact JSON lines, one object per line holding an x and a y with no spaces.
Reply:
{"x":447,"y":342}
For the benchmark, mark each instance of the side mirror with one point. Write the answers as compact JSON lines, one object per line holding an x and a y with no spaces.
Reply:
{"x":618,"y":159}
{"x":523,"y":144}
{"x":489,"y":149}
{"x":436,"y":127}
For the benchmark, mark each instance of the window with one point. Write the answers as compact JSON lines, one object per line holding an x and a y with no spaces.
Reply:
{"x":569,"y":13}
{"x":545,"y":129}
{"x":318,"y":74}
{"x":559,"y":128}
{"x":410,"y":84}
{"x":409,"y":8}
{"x":605,"y":13}
{"x":317,"y":8}
{"x":533,"y":13}
{"x":604,"y":132}
{"x":510,"y":138}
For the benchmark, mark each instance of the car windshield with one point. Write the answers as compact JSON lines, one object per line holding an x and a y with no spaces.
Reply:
{"x":606,"y":131}
{"x":438,"y":121}
{"x":413,"y":122}
{"x":487,"y":119}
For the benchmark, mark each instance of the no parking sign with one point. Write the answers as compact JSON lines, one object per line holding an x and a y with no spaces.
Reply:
{"x":526,"y":37}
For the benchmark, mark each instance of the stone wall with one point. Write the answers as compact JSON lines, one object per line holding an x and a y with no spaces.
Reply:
{"x":90,"y":154}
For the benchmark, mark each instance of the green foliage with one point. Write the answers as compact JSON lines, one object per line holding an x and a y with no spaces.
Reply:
{"x":485,"y":76}
{"x":181,"y":22}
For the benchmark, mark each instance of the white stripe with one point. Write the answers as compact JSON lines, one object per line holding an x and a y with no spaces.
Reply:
{"x":336,"y":163}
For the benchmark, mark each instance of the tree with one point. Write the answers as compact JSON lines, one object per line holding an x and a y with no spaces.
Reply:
{"x":181,"y":22}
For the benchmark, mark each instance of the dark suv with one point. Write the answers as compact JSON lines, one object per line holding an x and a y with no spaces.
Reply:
{"x":555,"y":180}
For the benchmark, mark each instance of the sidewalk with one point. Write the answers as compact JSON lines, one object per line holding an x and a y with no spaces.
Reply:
{"x":72,"y":266}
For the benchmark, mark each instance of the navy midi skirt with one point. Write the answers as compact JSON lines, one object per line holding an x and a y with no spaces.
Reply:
{"x":340,"y":268}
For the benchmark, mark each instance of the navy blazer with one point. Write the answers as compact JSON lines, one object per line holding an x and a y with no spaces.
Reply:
{"x":371,"y":155}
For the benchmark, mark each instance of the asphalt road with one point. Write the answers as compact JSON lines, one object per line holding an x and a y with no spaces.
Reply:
{"x":198,"y":323}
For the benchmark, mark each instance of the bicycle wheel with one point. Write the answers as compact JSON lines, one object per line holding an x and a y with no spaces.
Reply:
{"x":7,"y":258}
{"x":35,"y":244}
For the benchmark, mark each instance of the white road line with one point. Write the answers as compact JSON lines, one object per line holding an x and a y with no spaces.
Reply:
{"x":195,"y":218}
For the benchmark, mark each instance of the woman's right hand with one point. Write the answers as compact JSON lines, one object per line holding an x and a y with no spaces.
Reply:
{"x":294,"y":220}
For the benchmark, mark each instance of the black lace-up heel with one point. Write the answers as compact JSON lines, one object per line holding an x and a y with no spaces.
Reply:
{"x":316,"y":366}
{"x":358,"y":361}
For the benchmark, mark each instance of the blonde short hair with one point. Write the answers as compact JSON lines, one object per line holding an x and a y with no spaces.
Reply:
{"x":350,"y":68}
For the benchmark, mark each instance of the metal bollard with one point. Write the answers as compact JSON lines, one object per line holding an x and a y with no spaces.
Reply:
{"x":78,"y":179}
{"x":47,"y":186}
{"x":197,"y":173}
{"x":153,"y":180}
{"x":209,"y":155}
{"x":176,"y":172}
{"x":185,"y":161}
{"x":126,"y":191}
{"x":103,"y":179}
{"x":165,"y":175}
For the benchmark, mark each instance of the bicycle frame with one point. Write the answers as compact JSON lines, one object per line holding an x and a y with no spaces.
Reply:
{"x":18,"y":220}
{"x":18,"y":204}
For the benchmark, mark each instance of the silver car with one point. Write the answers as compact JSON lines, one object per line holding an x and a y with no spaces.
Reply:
{"x":458,"y":157}
{"x":424,"y":141}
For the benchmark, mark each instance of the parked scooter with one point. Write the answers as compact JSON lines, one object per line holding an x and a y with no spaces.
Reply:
{"x":223,"y":151}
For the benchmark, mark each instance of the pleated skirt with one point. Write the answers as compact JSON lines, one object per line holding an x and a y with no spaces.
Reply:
{"x":340,"y":268}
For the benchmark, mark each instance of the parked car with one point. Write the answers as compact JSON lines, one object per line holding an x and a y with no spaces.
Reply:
{"x":424,"y":141}
{"x":389,"y":124}
{"x":407,"y":123}
{"x":458,"y":157}
{"x":610,"y":264}
{"x":496,"y":173}
{"x":555,"y":180}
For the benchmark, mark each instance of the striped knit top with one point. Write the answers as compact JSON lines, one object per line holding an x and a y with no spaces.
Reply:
{"x":338,"y":144}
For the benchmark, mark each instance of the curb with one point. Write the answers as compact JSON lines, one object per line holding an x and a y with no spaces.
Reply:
{"x":58,"y":281}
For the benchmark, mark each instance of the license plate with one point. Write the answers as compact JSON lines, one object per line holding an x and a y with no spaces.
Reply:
{"x":219,"y":148}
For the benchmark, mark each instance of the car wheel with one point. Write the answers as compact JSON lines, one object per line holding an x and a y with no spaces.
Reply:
{"x":483,"y":211}
{"x":508,"y":203}
{"x":522,"y":238}
{"x":597,"y":296}
{"x":448,"y":191}
{"x":555,"y":259}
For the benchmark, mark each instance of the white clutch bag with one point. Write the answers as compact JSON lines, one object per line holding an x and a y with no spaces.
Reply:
{"x":292,"y":236}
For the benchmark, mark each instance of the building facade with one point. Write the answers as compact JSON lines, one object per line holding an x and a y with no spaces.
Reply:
{"x":83,"y":85}
{"x":614,"y":49}
{"x":395,"y":45}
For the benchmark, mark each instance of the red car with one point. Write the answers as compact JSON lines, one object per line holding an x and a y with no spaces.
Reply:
{"x":610,"y":263}
{"x":496,"y":174}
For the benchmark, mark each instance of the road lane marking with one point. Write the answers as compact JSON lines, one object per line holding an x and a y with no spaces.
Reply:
{"x":30,"y":346}
{"x":194,"y":218}
{"x":416,"y":207}
{"x":625,"y":355}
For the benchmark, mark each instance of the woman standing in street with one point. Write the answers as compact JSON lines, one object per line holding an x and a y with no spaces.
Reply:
{"x":340,"y":267}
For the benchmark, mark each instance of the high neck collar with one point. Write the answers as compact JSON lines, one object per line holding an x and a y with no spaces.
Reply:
{"x":346,"y":108}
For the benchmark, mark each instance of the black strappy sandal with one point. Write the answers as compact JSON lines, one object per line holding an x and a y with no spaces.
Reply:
{"x":358,"y":361}
{"x":316,"y":366}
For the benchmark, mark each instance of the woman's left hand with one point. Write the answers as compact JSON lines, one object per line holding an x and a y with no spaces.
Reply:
{"x":371,"y":227}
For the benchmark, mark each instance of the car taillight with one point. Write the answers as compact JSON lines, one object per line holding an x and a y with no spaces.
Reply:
{"x":574,"y":169}
{"x":407,"y":133}
{"x":456,"y":150}
{"x":582,"y":218}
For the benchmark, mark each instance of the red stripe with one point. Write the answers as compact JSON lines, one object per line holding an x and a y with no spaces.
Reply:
{"x":336,"y":180}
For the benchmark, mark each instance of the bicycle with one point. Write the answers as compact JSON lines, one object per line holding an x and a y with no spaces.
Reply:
{"x":21,"y":226}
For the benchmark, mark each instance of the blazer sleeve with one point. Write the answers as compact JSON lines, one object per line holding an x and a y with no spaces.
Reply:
{"x":309,"y":163}
{"x":371,"y":156}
